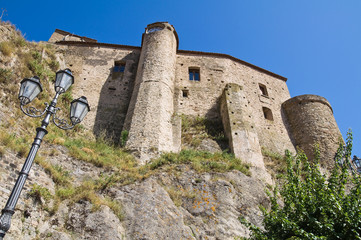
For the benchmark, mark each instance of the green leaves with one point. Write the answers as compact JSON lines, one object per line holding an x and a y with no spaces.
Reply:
{"x":314,"y":206}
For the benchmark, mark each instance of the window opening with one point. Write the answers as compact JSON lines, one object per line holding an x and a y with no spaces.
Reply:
{"x":154,"y":29}
{"x":185,"y":93}
{"x":263,"y":90}
{"x":119,"y":67}
{"x":194,"y":74}
{"x":118,"y":70}
{"x":267,"y":113}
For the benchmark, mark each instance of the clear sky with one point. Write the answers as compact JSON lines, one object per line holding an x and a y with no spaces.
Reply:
{"x":316,"y":44}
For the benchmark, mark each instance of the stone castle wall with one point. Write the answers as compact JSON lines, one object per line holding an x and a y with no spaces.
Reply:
{"x":149,"y":118}
{"x":155,"y":89}
{"x":216,"y":72}
{"x":108,"y":95}
{"x":312,"y":122}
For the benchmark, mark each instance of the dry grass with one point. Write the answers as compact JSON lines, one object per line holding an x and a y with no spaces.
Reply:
{"x":195,"y":129}
{"x":7,"y":48}
{"x":177,"y":194}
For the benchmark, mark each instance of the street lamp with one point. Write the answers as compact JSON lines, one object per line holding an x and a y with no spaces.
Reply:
{"x":29,"y":89}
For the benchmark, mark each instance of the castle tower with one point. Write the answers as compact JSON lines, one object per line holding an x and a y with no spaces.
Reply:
{"x":149,"y":116}
{"x":243,"y":139}
{"x":311,"y":122}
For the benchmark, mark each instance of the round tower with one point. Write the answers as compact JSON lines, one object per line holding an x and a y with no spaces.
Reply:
{"x":311,"y":122}
{"x":149,"y":117}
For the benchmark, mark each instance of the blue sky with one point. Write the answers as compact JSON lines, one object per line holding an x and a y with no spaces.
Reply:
{"x":315,"y":44}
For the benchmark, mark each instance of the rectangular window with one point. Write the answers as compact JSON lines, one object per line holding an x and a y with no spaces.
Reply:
{"x":119,"y":67}
{"x":185,"y":93}
{"x":194,"y":74}
{"x":263,"y":90}
{"x":118,"y":70}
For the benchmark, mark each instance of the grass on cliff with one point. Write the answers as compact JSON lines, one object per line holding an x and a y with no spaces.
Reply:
{"x":17,"y":132}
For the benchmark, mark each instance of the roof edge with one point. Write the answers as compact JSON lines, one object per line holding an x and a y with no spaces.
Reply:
{"x":71,"y":34}
{"x":222,"y":55}
{"x":234,"y":59}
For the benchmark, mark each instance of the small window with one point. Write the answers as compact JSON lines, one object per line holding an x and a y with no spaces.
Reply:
{"x":267,"y":113}
{"x":119,"y":67}
{"x":263,"y":90}
{"x":155,"y":29}
{"x":194,"y":74}
{"x":185,"y":93}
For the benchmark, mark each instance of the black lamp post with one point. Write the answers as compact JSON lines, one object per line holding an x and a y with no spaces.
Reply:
{"x":30,"y":88}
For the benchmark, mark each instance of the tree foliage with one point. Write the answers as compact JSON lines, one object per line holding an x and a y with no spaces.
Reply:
{"x":310,"y":205}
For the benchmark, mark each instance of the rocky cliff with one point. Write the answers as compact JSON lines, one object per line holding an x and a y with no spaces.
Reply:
{"x":86,"y":188}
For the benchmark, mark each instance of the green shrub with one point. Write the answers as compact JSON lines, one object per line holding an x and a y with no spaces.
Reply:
{"x":124,"y":137}
{"x":314,"y":206}
{"x":38,"y":192}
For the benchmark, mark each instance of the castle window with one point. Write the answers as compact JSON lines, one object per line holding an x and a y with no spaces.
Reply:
{"x":119,"y":67}
{"x":185,"y":93}
{"x":155,"y":29}
{"x":194,"y":74}
{"x":263,"y":90}
{"x":267,"y":113}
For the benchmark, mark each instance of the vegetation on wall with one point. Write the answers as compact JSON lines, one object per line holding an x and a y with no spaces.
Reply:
{"x":196,"y":129}
{"x":314,"y":206}
{"x":22,"y":59}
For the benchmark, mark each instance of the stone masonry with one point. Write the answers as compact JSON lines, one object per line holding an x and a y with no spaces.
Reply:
{"x":143,"y":90}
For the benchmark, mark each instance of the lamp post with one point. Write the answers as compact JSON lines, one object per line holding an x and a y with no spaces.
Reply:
{"x":30,"y":88}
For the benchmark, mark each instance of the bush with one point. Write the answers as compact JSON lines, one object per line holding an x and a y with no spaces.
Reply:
{"x":314,"y":206}
{"x":6,"y":48}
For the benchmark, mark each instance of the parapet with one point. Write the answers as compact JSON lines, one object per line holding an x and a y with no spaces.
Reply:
{"x":304,"y":99}
{"x":157,"y":26}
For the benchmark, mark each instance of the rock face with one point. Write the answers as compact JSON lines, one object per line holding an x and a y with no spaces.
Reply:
{"x":156,"y":215}
{"x":168,"y":205}
{"x":147,"y":98}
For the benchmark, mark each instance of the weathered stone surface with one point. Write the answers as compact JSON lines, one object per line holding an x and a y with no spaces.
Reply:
{"x":312,"y":122}
{"x":150,"y":213}
{"x":149,"y":118}
{"x":241,"y":132}
{"x":86,"y":224}
{"x":216,"y":72}
{"x":7,"y":32}
{"x":210,"y":205}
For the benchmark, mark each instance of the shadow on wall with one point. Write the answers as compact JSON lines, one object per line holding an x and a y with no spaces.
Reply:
{"x":214,"y":126}
{"x":287,"y":126}
{"x":114,"y":99}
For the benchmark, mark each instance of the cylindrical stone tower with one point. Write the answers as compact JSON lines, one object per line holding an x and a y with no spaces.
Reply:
{"x":149,"y":117}
{"x":311,"y":122}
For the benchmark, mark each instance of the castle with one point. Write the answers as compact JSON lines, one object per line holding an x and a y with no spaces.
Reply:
{"x":143,"y":90}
